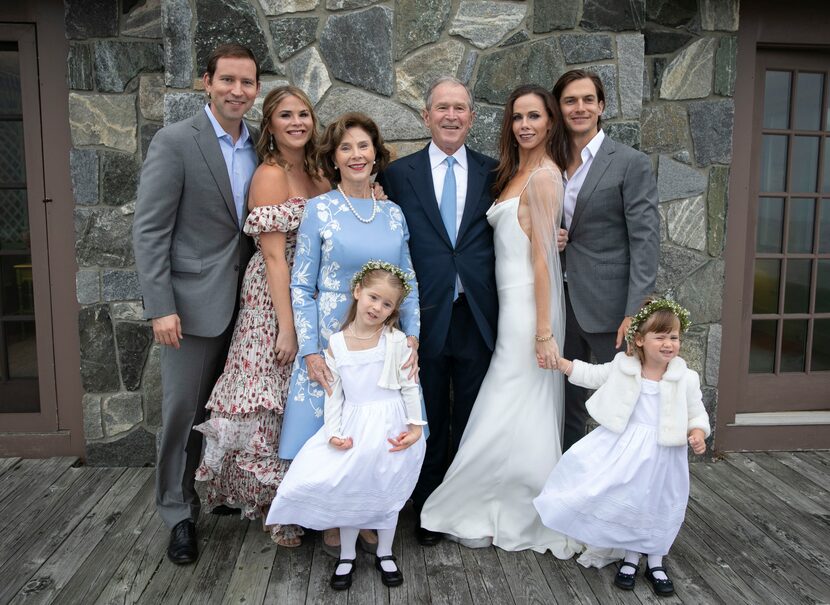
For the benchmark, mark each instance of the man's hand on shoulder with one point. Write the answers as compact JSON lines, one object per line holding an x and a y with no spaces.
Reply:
{"x":167,"y":330}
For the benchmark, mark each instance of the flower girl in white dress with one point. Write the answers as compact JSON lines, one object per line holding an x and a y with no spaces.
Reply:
{"x":360,"y":468}
{"x":626,"y":484}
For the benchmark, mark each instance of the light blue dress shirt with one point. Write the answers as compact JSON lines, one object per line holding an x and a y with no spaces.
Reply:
{"x":240,"y":159}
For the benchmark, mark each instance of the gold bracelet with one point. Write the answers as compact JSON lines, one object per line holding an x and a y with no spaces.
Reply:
{"x":544,"y":338}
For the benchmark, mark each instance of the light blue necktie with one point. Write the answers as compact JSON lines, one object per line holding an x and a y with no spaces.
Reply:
{"x":448,"y":200}
{"x":448,"y":206}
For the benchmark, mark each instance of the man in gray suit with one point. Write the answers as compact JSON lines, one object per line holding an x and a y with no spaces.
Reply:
{"x":190,"y":254}
{"x":613,"y":234}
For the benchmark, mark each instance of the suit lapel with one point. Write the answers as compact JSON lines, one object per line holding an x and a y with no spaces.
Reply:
{"x":209,"y":147}
{"x":420,"y":178}
{"x":598,"y":167}
{"x":476,"y":177}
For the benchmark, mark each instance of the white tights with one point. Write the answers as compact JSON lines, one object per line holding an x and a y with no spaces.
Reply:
{"x":348,"y":548}
{"x":653,"y":561}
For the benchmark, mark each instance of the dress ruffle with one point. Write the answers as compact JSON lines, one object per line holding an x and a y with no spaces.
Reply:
{"x":283,"y":217}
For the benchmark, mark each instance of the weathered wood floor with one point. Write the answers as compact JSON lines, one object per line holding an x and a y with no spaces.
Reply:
{"x":757,"y":531}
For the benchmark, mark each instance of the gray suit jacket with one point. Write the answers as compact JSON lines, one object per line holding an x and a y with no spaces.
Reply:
{"x":614,"y":239}
{"x":189,"y":249}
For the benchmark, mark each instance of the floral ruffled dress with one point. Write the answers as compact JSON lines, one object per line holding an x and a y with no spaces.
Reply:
{"x":240,"y":464}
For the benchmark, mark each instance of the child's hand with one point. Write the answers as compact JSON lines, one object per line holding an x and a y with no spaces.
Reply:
{"x":564,"y":365}
{"x":697,"y":441}
{"x":341,"y":444}
{"x":407,"y":438}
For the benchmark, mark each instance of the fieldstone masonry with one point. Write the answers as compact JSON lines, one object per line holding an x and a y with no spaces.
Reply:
{"x":668,"y":67}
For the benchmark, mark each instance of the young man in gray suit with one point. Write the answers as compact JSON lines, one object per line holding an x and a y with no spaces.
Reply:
{"x":613,"y":235}
{"x":190,"y":254}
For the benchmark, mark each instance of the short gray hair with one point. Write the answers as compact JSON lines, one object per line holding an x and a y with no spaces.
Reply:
{"x":443,"y":80}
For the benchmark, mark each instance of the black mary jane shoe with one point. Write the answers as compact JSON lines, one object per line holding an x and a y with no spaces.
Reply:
{"x":662,"y":588}
{"x":626,"y":581}
{"x":389,"y":578}
{"x":183,"y":548}
{"x":342,"y":582}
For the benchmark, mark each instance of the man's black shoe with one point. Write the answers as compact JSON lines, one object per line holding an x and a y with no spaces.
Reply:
{"x":427,"y":537}
{"x":223,"y":510}
{"x":183,"y":548}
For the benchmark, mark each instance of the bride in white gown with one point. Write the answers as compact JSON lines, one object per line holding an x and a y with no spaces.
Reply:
{"x":514,"y":435}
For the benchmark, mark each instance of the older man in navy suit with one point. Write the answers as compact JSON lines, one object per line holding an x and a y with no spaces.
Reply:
{"x":444,"y":191}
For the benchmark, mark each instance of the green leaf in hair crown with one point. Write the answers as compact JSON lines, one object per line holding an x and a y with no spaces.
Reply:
{"x":659,"y":304}
{"x":375,"y":265}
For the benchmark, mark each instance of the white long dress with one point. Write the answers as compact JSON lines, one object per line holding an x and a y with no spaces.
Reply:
{"x":513,"y":438}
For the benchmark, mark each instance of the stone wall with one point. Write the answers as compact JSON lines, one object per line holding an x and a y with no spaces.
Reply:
{"x":668,"y":67}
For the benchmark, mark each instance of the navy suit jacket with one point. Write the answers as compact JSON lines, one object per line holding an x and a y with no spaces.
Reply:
{"x":408,"y":183}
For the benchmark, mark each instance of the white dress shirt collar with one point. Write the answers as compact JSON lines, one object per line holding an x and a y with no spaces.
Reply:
{"x":436,"y":156}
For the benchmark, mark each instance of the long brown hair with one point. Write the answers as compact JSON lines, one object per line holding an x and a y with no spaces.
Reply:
{"x":267,"y":150}
{"x":509,"y":150}
{"x":369,"y":278}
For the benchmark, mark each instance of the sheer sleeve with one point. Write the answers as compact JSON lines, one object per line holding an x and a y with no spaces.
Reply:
{"x":304,"y":283}
{"x":544,"y":193}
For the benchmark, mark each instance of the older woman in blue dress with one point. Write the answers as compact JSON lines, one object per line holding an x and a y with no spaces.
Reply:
{"x":340,"y":231}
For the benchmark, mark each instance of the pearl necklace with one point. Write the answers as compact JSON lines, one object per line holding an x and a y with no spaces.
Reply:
{"x":357,"y":216}
{"x":370,"y":337}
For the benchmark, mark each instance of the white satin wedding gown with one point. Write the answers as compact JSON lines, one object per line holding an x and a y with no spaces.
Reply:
{"x":514,"y":436}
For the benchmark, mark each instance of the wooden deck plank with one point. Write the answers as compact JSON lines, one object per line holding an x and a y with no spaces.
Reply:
{"x":101,"y":565}
{"x":485,"y":576}
{"x":7,"y":463}
{"x":525,"y":578}
{"x":565,"y":579}
{"x":170,"y":580}
{"x":33,"y":544}
{"x":445,"y":574}
{"x":761,"y":557}
{"x":803,"y":467}
{"x":601,"y":582}
{"x":131,"y":578}
{"x":289,"y":578}
{"x":795,"y":491}
{"x":216,"y":561}
{"x":805,"y":541}
{"x":410,"y":554}
{"x":59,"y":568}
{"x":318,"y":589}
{"x":18,"y":491}
{"x":249,"y":581}
{"x":367,"y":587}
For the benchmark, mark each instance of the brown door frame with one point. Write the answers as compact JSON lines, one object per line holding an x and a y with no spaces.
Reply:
{"x":60,"y":370}
{"x":763,"y":23}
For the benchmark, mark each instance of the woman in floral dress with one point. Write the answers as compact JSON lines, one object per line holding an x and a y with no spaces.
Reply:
{"x":240,"y":464}
{"x":340,"y":231}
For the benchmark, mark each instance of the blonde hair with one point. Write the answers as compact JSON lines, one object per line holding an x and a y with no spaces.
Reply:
{"x":371,"y":277}
{"x":267,"y":149}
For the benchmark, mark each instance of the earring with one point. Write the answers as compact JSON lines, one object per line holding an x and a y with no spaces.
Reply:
{"x":271,"y":142}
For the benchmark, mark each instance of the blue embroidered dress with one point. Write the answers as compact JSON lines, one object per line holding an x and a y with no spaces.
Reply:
{"x":332,"y":245}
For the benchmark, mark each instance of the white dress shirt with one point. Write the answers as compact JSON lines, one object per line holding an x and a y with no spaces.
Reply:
{"x":438,"y":164}
{"x":574,"y":183}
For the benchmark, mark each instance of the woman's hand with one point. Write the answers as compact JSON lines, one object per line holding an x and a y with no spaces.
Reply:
{"x":341,"y":444}
{"x":697,"y":440}
{"x":547,"y":354}
{"x":318,"y":371}
{"x":286,"y":347}
{"x":380,"y":194}
{"x":407,"y":438}
{"x":412,"y":362}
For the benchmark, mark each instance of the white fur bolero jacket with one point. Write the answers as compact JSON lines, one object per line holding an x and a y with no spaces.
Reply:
{"x":618,"y":384}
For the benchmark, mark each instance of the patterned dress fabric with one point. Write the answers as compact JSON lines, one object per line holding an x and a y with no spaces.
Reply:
{"x":240,"y":463}
{"x":332,"y":245}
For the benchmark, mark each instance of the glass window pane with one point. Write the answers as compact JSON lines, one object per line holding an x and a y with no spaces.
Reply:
{"x":821,"y":345}
{"x":801,"y":225}
{"x":768,"y":232}
{"x":793,"y":345}
{"x":797,"y":287}
{"x":823,"y":287}
{"x":14,"y":220}
{"x":825,"y":187}
{"x":9,"y":79}
{"x":12,"y":158}
{"x":762,"y":346}
{"x":21,"y":349}
{"x":824,"y":228}
{"x":804,"y":170}
{"x":774,"y":163}
{"x":767,"y":278}
{"x":16,"y":293}
{"x":809,"y":100}
{"x":777,"y":99}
